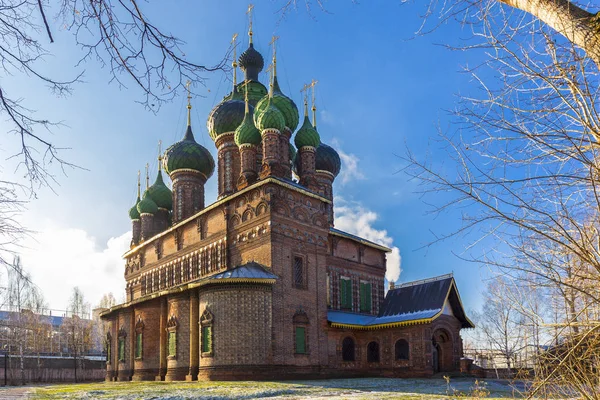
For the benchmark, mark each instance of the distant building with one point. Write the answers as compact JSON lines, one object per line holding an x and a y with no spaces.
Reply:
{"x":259,"y":284}
{"x":44,"y":334}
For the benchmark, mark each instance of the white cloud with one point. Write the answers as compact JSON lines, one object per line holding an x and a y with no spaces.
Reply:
{"x":327,"y":117}
{"x":350,"y":170}
{"x":356,"y":219}
{"x":60,"y":259}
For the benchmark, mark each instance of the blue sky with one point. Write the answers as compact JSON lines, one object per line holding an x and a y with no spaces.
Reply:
{"x":380,"y":90}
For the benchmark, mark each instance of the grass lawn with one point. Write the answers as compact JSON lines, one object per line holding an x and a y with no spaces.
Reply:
{"x":374,"y":388}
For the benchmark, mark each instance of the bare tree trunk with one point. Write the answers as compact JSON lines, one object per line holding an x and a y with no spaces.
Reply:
{"x":574,"y":23}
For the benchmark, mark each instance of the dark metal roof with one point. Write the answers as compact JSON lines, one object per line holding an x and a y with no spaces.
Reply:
{"x":410,"y":298}
{"x":250,"y":270}
{"x":411,"y":302}
{"x":346,"y":318}
{"x":359,"y":239}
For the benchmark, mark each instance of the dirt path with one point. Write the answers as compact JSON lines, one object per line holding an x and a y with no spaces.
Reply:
{"x":13,"y":393}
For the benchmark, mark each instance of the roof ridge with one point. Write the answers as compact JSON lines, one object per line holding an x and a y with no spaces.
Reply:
{"x":427,"y":280}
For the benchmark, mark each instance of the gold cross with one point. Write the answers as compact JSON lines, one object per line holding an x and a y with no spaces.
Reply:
{"x":273,"y":41}
{"x":249,"y":13}
{"x":189,"y":93}
{"x":147,"y":177}
{"x":313,"y":83}
{"x":305,"y":91}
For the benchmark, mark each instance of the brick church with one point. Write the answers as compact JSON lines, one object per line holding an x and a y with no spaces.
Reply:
{"x":260,"y":284}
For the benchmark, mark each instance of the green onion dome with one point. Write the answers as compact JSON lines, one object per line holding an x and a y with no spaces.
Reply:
{"x":187,"y":154}
{"x":133,"y":211}
{"x":256,"y":91}
{"x":284,"y":104}
{"x":247,"y":133}
{"x":251,"y":62}
{"x":269,"y":118}
{"x":327,"y":159}
{"x":307,"y":135}
{"x":147,"y":205}
{"x":160,"y":193}
{"x":226,"y":116}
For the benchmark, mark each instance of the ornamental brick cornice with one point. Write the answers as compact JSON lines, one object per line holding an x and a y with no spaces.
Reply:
{"x":231,"y":197}
{"x":270,"y":131}
{"x":225,"y":139}
{"x":182,"y":171}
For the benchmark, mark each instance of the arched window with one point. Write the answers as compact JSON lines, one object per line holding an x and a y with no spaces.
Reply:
{"x":348,"y":349}
{"x":139,"y":341}
{"x":172,"y":337}
{"x":401,"y":350}
{"x":373,"y":352}
{"x":300,"y":321}
{"x":206,"y":333}
{"x":121,"y":342}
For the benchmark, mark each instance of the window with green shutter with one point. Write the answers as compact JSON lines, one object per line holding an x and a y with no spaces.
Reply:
{"x":121,"y":349}
{"x":172,"y":339}
{"x":138,"y":345}
{"x":365,"y":297}
{"x":346,"y":293}
{"x":301,"y":340}
{"x":207,"y":339}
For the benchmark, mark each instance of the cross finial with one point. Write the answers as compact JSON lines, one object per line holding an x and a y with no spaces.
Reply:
{"x":147,"y":177}
{"x":247,"y":107}
{"x":273,"y":43}
{"x":313,"y":83}
{"x":249,"y":13}
{"x":234,"y":64}
{"x":139,"y":184}
{"x":160,"y":157}
{"x":189,"y":104}
{"x":304,"y":91}
{"x":270,"y":70}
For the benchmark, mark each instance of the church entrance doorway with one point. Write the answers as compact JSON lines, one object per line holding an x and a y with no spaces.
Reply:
{"x":442,"y":351}
{"x":436,"y":358}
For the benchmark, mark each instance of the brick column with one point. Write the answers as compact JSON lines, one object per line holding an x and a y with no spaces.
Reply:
{"x":194,"y":351}
{"x":270,"y":154}
{"x":284,"y":153}
{"x":136,"y":229}
{"x":228,"y":164}
{"x":307,"y":167}
{"x":132,"y":343}
{"x":162,"y":371}
{"x":248,"y":166}
{"x":147,"y":226}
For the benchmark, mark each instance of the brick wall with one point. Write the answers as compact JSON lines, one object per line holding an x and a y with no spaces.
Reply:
{"x":241,"y":326}
{"x":179,"y":308}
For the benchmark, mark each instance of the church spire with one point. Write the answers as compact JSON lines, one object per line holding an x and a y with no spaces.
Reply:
{"x":314,"y":106}
{"x":139,"y":184}
{"x":305,"y":91}
{"x":189,"y":103}
{"x":160,"y":156}
{"x":274,"y":44}
{"x":249,"y":13}
{"x":234,"y":64}
{"x":147,"y":177}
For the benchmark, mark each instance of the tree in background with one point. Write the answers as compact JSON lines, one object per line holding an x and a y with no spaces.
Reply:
{"x":100,"y":327}
{"x":78,"y":328}
{"x":523,"y":159}
{"x":499,"y":322}
{"x":25,"y":300}
{"x":115,"y":34}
